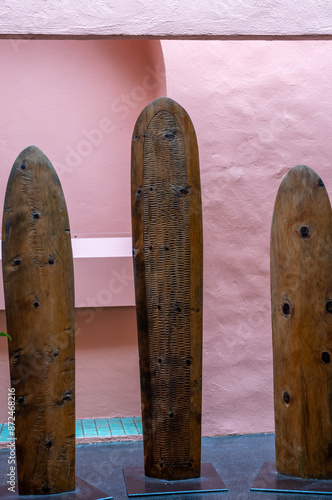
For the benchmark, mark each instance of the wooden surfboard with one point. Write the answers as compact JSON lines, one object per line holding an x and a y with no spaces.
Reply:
{"x":39,"y":297}
{"x":168,"y":268}
{"x":301,"y":294}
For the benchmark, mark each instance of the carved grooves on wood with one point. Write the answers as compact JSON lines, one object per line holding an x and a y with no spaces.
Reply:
{"x":34,"y":201}
{"x":167,"y":264}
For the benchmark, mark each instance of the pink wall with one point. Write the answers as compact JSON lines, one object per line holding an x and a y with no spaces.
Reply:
{"x":78,"y":101}
{"x":258,"y":108}
{"x":107,"y":373}
{"x":165,"y":19}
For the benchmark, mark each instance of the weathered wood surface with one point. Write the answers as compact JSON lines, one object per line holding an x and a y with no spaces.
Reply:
{"x":39,"y":297}
{"x":301,"y":294}
{"x":168,"y":269}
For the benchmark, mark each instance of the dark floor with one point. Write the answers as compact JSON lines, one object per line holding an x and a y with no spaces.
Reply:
{"x":237,"y":459}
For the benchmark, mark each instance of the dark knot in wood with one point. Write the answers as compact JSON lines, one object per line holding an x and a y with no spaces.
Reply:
{"x":329,"y":306}
{"x":286,"y":309}
{"x":326,"y":358}
{"x":304,"y":232}
{"x":286,"y":397}
{"x":67,"y":396}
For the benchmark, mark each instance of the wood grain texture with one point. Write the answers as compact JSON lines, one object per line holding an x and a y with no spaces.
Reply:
{"x":301,"y":294}
{"x":168,"y":270}
{"x":39,"y":298}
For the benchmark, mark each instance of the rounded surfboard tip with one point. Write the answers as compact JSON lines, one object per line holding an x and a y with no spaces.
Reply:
{"x":154,"y":107}
{"x":33,"y":157}
{"x":301,"y":170}
{"x":31,"y":153}
{"x":302,"y":178}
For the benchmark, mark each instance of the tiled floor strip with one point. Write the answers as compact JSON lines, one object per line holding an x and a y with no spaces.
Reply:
{"x":101,"y":427}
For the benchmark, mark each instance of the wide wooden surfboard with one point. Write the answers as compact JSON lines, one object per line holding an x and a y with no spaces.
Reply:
{"x":39,"y":298}
{"x":301,"y":294}
{"x":167,"y":254}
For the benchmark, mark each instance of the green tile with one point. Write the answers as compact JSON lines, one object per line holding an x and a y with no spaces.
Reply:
{"x":129,"y":426}
{"x":6,"y":435}
{"x":102,"y":427}
{"x":127,"y":420}
{"x":115,"y":421}
{"x":116,"y":427}
{"x":138,"y":422}
{"x":88,"y":421}
{"x":78,"y":429}
{"x":89,"y":428}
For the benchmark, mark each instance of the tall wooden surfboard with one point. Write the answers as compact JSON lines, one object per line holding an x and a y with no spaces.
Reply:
{"x":168,"y":268}
{"x":39,"y":297}
{"x":301,"y":294}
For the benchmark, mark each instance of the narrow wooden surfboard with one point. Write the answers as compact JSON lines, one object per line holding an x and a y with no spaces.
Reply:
{"x":168,"y":269}
{"x":301,"y":295}
{"x":39,"y":298}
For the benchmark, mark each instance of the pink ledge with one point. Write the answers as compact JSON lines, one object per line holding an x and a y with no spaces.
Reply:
{"x":103,"y":272}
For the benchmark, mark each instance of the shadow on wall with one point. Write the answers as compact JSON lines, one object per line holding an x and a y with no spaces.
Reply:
{"x":78,"y":101}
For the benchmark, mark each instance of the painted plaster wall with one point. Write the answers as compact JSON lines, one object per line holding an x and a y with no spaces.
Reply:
{"x":107,"y":363}
{"x":107,"y":374}
{"x":259,"y":108}
{"x":166,"y":18}
{"x":78,"y":101}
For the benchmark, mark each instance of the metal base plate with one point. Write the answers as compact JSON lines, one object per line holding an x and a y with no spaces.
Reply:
{"x":269,"y":480}
{"x":140,"y":485}
{"x":83,"y":490}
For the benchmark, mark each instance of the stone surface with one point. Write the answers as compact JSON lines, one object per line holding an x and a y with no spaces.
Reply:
{"x":237,"y":460}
